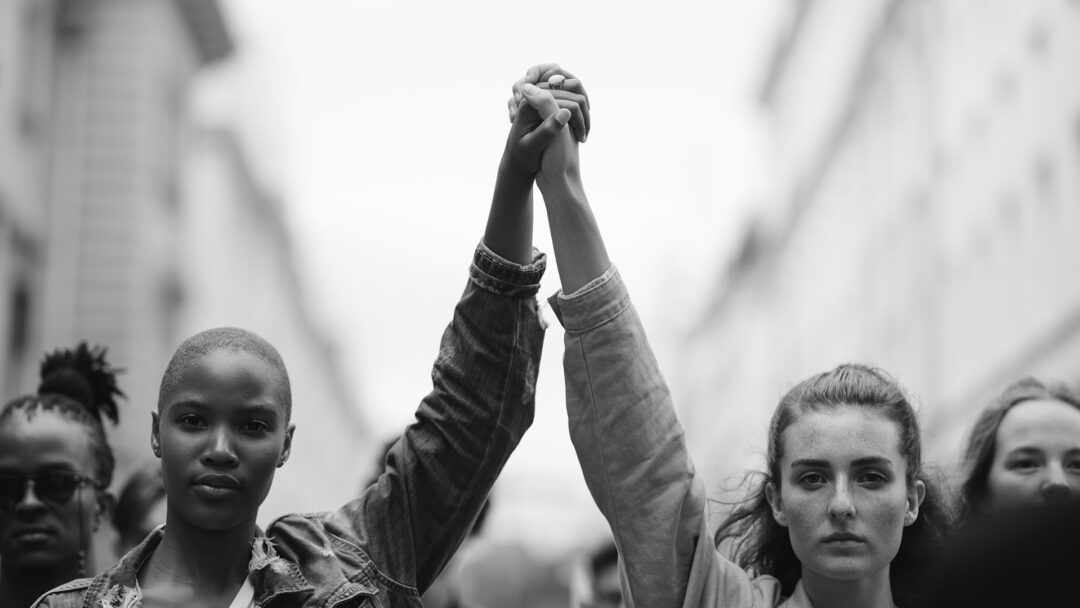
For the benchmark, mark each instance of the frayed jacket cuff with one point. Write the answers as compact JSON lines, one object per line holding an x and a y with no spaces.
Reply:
{"x":597,"y":302}
{"x":500,"y":276}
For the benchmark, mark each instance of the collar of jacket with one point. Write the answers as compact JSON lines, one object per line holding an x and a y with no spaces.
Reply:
{"x":271,"y":576}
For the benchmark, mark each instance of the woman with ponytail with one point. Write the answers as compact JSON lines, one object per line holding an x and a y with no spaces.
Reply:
{"x":55,"y":466}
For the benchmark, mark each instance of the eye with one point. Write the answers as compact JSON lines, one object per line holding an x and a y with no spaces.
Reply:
{"x":191,"y":421}
{"x":812,"y":480}
{"x":1024,"y":464}
{"x":1073,"y":466}
{"x":255,"y":427}
{"x":873,"y":479}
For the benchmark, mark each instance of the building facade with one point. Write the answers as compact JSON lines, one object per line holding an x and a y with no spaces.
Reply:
{"x":924,"y":218}
{"x":26,"y":53}
{"x":125,"y":224}
{"x":122,"y":71}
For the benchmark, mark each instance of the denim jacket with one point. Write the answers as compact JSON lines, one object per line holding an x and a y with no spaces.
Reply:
{"x":633,"y":454}
{"x":386,"y":547}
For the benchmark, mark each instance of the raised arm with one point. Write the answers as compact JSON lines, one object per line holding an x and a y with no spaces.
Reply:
{"x":630,"y":444}
{"x":439,"y":473}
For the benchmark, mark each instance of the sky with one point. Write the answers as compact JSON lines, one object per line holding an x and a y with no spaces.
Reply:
{"x":380,"y":124}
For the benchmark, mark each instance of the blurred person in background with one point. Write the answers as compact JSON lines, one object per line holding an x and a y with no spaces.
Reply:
{"x":1023,"y":449}
{"x":844,"y":515}
{"x":140,"y":507}
{"x":598,"y":584}
{"x":223,"y":426}
{"x":55,"y":468}
{"x":1025,"y":556}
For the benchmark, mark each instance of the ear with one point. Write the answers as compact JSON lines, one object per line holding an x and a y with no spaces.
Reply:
{"x":286,"y":449}
{"x":104,"y":506}
{"x":916,"y":494}
{"x":155,"y":439}
{"x":772,"y":494}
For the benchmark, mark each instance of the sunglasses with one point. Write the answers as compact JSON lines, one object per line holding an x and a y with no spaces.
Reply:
{"x":55,"y":486}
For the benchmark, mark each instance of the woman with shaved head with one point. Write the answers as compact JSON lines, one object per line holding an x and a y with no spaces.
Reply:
{"x":223,"y":427}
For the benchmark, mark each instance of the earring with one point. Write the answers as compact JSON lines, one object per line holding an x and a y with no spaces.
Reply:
{"x":82,"y":563}
{"x":157,"y":451}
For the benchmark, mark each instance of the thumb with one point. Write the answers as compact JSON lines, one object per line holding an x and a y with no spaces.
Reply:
{"x":539,"y":138}
{"x":540,"y":99}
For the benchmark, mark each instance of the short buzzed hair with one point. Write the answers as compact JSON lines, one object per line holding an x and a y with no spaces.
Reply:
{"x":232,"y":339}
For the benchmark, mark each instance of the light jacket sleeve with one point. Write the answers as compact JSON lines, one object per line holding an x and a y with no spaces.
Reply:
{"x":632,"y":451}
{"x":439,"y":473}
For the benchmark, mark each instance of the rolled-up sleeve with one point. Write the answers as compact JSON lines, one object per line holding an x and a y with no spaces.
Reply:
{"x":633,"y":454}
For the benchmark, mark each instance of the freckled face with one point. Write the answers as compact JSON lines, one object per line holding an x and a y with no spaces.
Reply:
{"x":222,"y":433}
{"x":36,"y":532}
{"x":843,"y":494}
{"x":1036,"y":455}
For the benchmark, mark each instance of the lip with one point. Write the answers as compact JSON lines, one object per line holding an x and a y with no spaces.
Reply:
{"x":216,"y":487}
{"x":218,"y":481}
{"x":839,"y":538}
{"x":31,"y":534}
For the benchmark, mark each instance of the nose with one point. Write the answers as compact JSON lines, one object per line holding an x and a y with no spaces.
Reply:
{"x":29,"y":504}
{"x":220,"y":452}
{"x":841,"y":505}
{"x":1055,"y":487}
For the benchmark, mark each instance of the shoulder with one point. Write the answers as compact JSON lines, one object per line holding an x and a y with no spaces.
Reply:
{"x":324,"y":529}
{"x":292,"y":525}
{"x":769,"y":590}
{"x":717,"y":581}
{"x":68,"y":594}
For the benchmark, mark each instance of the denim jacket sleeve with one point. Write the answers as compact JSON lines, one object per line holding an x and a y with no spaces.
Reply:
{"x":632,"y":451}
{"x":439,"y":473}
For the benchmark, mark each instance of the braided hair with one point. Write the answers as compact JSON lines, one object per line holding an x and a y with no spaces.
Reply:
{"x":79,"y":385}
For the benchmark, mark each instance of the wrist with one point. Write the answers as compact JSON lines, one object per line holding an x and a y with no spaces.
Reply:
{"x":516,"y":165}
{"x":560,"y":186}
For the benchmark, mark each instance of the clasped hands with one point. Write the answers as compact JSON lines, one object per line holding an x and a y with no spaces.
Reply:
{"x":544,"y":101}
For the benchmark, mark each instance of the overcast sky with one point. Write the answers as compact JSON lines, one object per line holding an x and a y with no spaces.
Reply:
{"x":381,"y":123}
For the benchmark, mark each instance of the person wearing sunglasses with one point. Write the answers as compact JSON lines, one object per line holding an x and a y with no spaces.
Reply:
{"x":55,"y":466}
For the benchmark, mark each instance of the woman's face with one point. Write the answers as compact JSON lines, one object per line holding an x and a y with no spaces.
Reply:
{"x":221,"y":433}
{"x":842,"y":493}
{"x":41,"y":524}
{"x":1036,"y":455}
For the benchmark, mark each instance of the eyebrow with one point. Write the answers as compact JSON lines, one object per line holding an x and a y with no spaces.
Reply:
{"x":54,"y":465}
{"x":251,"y":409}
{"x":858,"y":462}
{"x":1027,"y":450}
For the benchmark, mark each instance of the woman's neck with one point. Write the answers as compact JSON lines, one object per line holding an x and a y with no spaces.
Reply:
{"x":873,"y":591}
{"x":193,"y":561}
{"x":19,"y":588}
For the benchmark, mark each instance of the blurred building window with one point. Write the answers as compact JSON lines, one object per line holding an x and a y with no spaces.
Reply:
{"x":171,"y":300}
{"x":1011,"y":211}
{"x":170,"y":126}
{"x":1045,"y":177}
{"x":1076,"y":128}
{"x":1038,"y":38}
{"x":72,"y":16}
{"x":33,"y":78}
{"x":18,"y":332}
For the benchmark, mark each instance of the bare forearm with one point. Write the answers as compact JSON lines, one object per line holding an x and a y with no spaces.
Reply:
{"x":580,"y":253}
{"x":510,"y":221}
